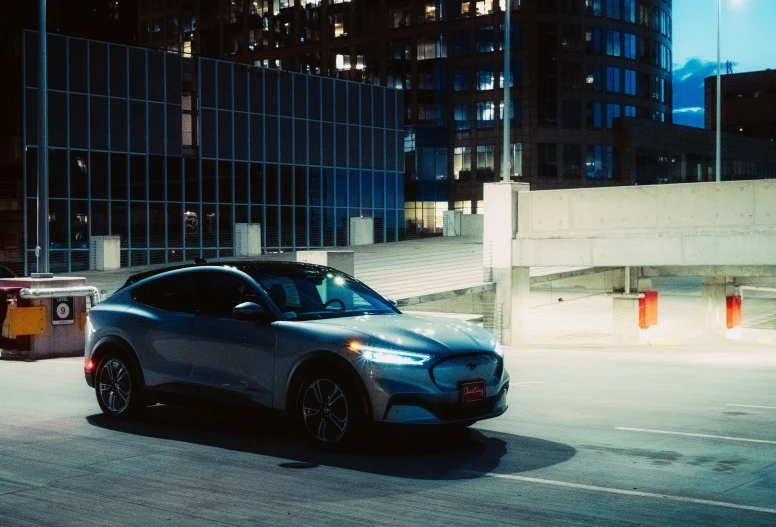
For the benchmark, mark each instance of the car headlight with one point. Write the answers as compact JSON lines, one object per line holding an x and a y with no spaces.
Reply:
{"x":498,"y":350}
{"x":389,"y":356}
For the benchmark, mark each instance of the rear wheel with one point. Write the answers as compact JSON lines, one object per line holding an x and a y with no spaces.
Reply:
{"x":327,"y":409}
{"x":117,"y":387}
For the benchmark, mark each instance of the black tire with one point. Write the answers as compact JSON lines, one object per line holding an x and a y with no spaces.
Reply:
{"x":117,"y":387}
{"x":328,"y":409}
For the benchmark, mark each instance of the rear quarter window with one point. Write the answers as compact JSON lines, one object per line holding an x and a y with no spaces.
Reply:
{"x":170,"y":293}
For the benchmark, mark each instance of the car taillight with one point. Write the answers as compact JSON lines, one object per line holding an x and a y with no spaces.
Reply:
{"x":89,"y":365}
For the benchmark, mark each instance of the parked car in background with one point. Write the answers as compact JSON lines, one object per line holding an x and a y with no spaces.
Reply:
{"x":5,"y":272}
{"x":300,"y":338}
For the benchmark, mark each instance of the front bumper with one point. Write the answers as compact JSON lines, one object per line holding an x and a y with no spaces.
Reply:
{"x":414,"y":395}
{"x":408,"y":409}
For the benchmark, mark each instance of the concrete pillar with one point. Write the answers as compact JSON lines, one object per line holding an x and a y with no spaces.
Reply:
{"x":247,"y":239}
{"x":499,"y":230}
{"x":713,"y":293}
{"x":362,"y":231}
{"x":625,"y":318}
{"x":451,"y":222}
{"x":341,"y":260}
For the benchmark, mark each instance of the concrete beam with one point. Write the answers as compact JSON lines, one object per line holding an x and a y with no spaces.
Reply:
{"x":671,"y":249}
{"x":739,"y":271}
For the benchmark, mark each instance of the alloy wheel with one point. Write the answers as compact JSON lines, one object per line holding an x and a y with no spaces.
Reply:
{"x":115,"y":387}
{"x":325,"y":411}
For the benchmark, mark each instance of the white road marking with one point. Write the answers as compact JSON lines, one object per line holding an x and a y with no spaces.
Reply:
{"x":752,"y":406}
{"x":609,"y":490}
{"x":525,"y":382}
{"x":667,"y":432}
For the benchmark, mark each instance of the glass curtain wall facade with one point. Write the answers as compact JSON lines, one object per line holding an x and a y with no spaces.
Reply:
{"x":577,"y":66}
{"x":169,"y":153}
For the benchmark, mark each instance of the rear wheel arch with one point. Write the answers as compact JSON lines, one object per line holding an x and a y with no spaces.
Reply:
{"x":109,"y":344}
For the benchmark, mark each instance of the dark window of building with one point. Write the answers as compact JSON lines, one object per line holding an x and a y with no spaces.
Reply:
{"x":137,"y":178}
{"x":118,"y":177}
{"x":613,"y":80}
{"x":240,"y":88}
{"x":257,"y":184}
{"x":271,"y":94}
{"x":241,"y":183}
{"x":225,"y":85}
{"x":224,"y":134}
{"x":57,"y":119}
{"x":31,"y":59}
{"x":79,"y":172}
{"x":301,"y":142}
{"x":593,"y":115}
{"x":98,"y":175}
{"x":593,"y":45}
{"x":572,"y":161}
{"x":156,"y":178}
{"x":548,"y":160}
{"x":209,"y":181}
{"x":225,"y":182}
{"x":156,"y":128}
{"x":208,"y":133}
{"x":79,"y":121}
{"x":137,"y":126}
{"x":314,"y":142}
{"x":593,"y":7}
{"x":241,"y":135}
{"x":257,"y":137}
{"x":572,"y":114}
{"x":271,"y":189}
{"x":174,"y":179}
{"x":613,"y":9}
{"x":191,"y":177}
{"x":175,"y":134}
{"x":207,"y":84}
{"x":118,"y":125}
{"x":156,"y":76}
{"x":271,"y":139}
{"x":613,"y":44}
{"x":57,"y":63}
{"x":286,"y":140}
{"x":99,"y":123}
{"x":77,"y":65}
{"x":137,"y":73}
{"x":118,"y":71}
{"x":98,"y":68}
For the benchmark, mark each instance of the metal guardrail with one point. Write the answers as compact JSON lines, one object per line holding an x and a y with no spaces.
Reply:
{"x":54,"y":292}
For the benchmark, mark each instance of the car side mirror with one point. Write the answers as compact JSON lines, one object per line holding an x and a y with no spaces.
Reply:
{"x":393,"y":302}
{"x":249,"y":311}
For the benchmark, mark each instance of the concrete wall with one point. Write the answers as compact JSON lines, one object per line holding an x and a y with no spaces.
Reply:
{"x":729,"y":223}
{"x":654,"y":208}
{"x":472,"y":225}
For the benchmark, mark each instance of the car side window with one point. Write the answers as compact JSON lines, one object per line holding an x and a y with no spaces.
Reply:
{"x":219,"y":292}
{"x":171,"y":293}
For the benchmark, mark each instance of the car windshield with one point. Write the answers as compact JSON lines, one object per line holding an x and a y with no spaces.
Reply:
{"x":309,"y":294}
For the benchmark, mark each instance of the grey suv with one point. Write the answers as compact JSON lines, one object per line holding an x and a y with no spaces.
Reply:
{"x":300,"y":338}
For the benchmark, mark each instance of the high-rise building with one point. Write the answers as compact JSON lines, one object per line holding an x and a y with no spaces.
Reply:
{"x":748,"y":104}
{"x":577,"y":66}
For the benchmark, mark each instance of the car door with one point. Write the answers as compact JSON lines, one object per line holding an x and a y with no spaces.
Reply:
{"x":228,"y":354}
{"x":158,"y":327}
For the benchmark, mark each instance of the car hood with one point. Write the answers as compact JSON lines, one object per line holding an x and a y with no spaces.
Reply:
{"x":439,"y":335}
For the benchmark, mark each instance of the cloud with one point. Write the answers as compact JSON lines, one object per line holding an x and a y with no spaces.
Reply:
{"x":688,"y":90}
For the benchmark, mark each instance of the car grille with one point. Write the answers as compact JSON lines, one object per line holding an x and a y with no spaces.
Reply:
{"x":449,"y":373}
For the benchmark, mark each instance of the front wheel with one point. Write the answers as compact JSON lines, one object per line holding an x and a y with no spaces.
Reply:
{"x":327,"y":409}
{"x":117,"y":386}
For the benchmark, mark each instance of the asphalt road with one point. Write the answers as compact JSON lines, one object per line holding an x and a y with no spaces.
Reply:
{"x":642,"y":436}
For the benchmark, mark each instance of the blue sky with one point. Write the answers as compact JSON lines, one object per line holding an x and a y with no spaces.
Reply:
{"x":748,"y":40}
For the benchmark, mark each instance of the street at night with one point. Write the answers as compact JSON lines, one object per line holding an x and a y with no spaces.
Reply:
{"x":680,"y":435}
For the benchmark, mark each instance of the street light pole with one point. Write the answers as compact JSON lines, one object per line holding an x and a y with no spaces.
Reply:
{"x":507,"y":158}
{"x":41,"y":251}
{"x":718,"y":163}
